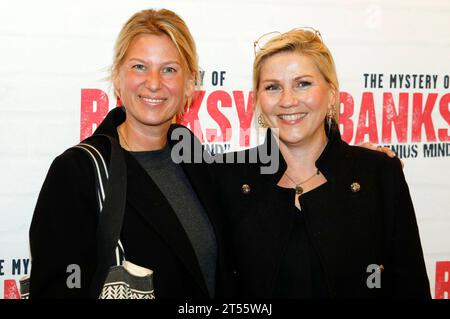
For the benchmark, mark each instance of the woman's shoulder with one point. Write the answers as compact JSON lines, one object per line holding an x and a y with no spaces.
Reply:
{"x":76,"y":160}
{"x":373,"y":160}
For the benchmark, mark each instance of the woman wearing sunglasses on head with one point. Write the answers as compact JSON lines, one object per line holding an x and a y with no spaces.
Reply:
{"x":334,"y":221}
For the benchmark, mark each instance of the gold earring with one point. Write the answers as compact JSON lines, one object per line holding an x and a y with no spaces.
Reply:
{"x":330,"y":118}
{"x":261,"y":121}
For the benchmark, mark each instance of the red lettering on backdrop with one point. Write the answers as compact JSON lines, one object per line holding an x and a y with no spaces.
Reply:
{"x":423,"y":117}
{"x":347,"y":106}
{"x":10,"y":289}
{"x":367,"y":111}
{"x":94,"y":107}
{"x":391,"y":117}
{"x":212,"y":106}
{"x":442,"y":282}
{"x":444,"y":104}
{"x":190,"y":118}
{"x":245,"y":115}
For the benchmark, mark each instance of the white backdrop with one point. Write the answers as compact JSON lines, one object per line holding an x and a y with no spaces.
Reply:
{"x":53,"y":52}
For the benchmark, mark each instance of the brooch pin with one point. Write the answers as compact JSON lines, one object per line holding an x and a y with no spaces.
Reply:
{"x":355,"y":187}
{"x":245,"y":189}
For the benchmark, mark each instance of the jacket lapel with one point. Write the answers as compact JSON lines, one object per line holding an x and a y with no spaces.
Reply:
{"x":274,"y":207}
{"x":199,"y":174}
{"x":197,"y":171}
{"x":277,"y":228}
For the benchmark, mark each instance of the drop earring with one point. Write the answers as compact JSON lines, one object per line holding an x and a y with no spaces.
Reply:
{"x":261,"y":122}
{"x":330,"y":118}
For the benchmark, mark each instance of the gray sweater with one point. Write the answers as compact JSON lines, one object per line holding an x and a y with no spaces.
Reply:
{"x":175,"y":186}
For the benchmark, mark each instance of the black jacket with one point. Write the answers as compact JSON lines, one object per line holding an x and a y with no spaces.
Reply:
{"x":349,"y":230}
{"x":63,"y":229}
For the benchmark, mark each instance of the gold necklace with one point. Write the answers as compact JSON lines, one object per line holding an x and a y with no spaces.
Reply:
{"x":298,"y":188}
{"x":125,"y":140}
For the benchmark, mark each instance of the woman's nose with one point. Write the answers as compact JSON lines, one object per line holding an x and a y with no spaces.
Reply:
{"x":153,"y":81}
{"x":288,"y":98}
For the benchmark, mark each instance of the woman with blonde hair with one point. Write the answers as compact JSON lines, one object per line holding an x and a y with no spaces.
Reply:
{"x":170,"y":223}
{"x":334,"y":221}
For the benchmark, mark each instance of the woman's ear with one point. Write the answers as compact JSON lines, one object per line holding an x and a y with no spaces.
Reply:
{"x":333,"y":98}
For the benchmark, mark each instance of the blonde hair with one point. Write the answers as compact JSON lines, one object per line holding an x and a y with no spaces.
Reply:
{"x":157,"y":22}
{"x":305,"y":42}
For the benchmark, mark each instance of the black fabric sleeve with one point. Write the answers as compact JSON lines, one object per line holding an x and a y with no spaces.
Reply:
{"x":408,"y":276}
{"x":62,"y":231}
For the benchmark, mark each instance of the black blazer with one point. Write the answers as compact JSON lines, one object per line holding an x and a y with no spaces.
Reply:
{"x":63,"y":228}
{"x":349,"y":230}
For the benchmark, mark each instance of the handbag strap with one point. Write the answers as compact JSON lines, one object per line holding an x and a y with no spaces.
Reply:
{"x":101,"y":180}
{"x":111,"y":185}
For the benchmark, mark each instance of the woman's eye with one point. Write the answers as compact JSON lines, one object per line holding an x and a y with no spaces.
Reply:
{"x":168,"y":70}
{"x":302,"y":84}
{"x":271,"y":87}
{"x":139,"y":67}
